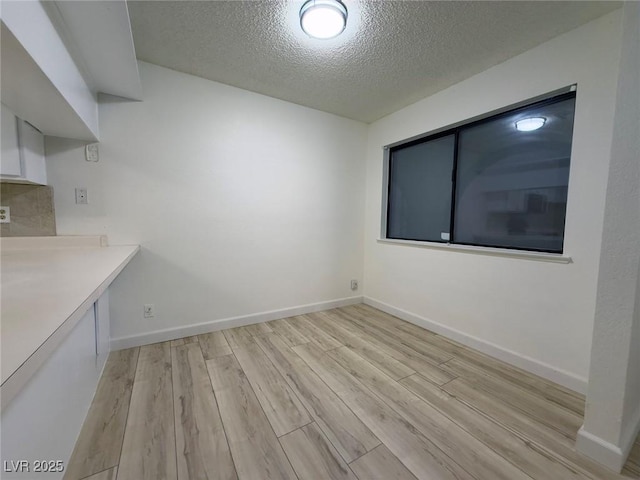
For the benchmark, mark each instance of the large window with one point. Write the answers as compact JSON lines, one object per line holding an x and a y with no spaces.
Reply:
{"x":500,"y":181}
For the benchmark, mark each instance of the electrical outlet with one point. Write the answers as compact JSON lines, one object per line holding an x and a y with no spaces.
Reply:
{"x":354,"y":284}
{"x":149,"y":311}
{"x":81,"y":196}
{"x":5,"y":215}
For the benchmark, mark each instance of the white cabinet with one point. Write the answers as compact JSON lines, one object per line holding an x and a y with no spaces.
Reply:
{"x":23,"y":157}
{"x":32,"y":153}
{"x":10,"y":164}
{"x":103,"y":336}
{"x":44,"y":419}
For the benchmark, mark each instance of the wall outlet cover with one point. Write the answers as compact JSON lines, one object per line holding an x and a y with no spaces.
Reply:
{"x":5,"y":215}
{"x":81,"y":196}
{"x":149,"y":311}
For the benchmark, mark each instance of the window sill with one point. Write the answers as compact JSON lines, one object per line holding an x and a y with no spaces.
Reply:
{"x":493,"y":252}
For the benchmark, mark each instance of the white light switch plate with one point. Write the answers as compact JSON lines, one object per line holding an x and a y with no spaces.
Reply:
{"x":91,"y":153}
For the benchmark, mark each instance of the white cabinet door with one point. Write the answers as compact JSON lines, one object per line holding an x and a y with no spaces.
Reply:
{"x":10,"y":164}
{"x":32,"y":153}
{"x":23,"y":157}
{"x":43,"y":421}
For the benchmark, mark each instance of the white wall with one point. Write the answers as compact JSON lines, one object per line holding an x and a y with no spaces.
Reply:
{"x":612,"y":418}
{"x":242,"y":203}
{"x":536,"y":314}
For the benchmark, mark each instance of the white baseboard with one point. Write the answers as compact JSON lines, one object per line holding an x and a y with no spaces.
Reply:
{"x":200,"y":328}
{"x":532,"y":365}
{"x":600,"y":450}
{"x":606,"y":453}
{"x":629,"y":436}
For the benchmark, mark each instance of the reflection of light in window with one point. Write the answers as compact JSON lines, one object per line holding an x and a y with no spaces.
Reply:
{"x":530,"y":124}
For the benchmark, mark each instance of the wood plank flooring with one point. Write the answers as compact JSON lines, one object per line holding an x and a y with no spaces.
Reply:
{"x":149,"y":444}
{"x":350,"y":394}
{"x":201,"y":446}
{"x":100,"y":443}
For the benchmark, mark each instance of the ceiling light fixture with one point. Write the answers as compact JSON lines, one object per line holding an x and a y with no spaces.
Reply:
{"x":323,"y":19}
{"x":530,"y":124}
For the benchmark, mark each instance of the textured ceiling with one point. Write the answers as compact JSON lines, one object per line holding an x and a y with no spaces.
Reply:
{"x":391,"y":54}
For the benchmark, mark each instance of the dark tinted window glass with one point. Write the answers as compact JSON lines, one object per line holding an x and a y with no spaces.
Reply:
{"x":511,"y":188}
{"x":420,"y":191}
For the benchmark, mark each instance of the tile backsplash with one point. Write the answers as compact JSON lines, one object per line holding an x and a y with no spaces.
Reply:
{"x":31,"y":210}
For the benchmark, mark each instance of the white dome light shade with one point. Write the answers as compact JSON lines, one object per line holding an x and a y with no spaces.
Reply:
{"x":530,"y":124}
{"x":323,"y":18}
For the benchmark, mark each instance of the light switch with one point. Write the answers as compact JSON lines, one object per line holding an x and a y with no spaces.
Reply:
{"x":91,"y":153}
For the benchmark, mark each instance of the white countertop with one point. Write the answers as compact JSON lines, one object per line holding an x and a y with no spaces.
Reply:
{"x":46,"y":288}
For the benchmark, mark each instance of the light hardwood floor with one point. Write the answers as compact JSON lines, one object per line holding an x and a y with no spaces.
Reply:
{"x":350,"y":393}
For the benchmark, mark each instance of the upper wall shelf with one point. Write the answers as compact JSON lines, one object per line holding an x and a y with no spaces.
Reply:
{"x":98,"y":34}
{"x":56,"y":58}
